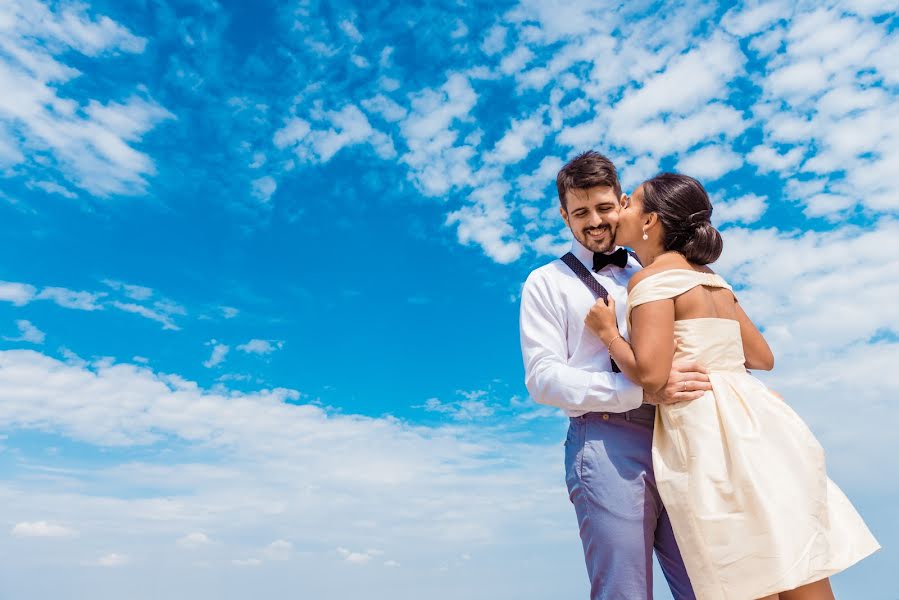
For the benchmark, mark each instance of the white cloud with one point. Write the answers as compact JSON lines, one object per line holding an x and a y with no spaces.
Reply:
{"x":294,"y":131}
{"x":246,"y":562}
{"x":473,"y":407}
{"x":827,"y":205}
{"x":768,"y":159}
{"x":194,"y":540}
{"x":263,"y":188}
{"x":709,"y":163}
{"x":279,"y":550}
{"x":72,"y":299}
{"x":52,"y":187}
{"x":256,"y":346}
{"x":745,"y":209}
{"x":333,"y":131}
{"x":19,"y":294}
{"x":708,"y":68}
{"x":112,"y":560}
{"x":825,"y":116}
{"x":746,"y":21}
{"x":27,"y":333}
{"x":797,"y":79}
{"x":437,"y":164}
{"x":148,"y":313}
{"x":275,"y":444}
{"x":385,"y":107}
{"x":515,"y":61}
{"x":350,"y":29}
{"x":350,"y":126}
{"x":90,"y":142}
{"x":460,"y":31}
{"x":219,"y":352}
{"x":678,"y":133}
{"x":534,"y":186}
{"x":229,"y":312}
{"x":9,"y":152}
{"x":522,"y":137}
{"x":357,"y":558}
{"x":135,"y":292}
{"x":486,"y":222}
{"x":495,"y":40}
{"x":42,"y":529}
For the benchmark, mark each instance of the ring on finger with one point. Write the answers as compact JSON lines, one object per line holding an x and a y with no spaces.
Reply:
{"x":684,"y":387}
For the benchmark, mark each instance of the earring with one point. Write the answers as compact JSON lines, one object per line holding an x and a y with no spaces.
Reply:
{"x":645,"y":237}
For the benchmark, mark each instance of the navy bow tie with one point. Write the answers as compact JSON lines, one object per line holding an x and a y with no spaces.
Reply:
{"x":617,"y":258}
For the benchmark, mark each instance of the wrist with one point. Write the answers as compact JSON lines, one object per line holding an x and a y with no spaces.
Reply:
{"x":609,"y":336}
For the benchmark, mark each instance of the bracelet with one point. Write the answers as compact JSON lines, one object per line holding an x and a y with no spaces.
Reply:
{"x":614,"y":339}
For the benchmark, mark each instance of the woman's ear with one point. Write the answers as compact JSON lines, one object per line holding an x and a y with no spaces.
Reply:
{"x":650,"y":219}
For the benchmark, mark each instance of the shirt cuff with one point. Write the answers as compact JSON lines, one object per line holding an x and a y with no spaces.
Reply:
{"x":630,"y":395}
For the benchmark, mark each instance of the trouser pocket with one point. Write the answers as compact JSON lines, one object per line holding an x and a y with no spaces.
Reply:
{"x":574,"y":454}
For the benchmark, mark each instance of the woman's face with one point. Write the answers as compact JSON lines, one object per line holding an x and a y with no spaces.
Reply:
{"x":630,"y":220}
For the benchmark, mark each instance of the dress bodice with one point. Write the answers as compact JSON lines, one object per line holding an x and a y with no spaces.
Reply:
{"x":713,"y":342}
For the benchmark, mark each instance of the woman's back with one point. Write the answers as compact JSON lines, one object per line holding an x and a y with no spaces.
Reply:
{"x":705,"y":328}
{"x":699,"y":293}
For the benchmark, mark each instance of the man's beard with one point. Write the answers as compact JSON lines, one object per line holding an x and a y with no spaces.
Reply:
{"x":603,"y":244}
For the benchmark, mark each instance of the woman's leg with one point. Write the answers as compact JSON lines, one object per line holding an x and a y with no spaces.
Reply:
{"x":820,"y":590}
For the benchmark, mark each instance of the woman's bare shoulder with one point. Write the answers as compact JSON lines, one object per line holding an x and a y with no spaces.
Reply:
{"x":641,"y":275}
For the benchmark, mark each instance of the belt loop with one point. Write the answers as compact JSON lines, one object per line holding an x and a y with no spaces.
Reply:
{"x":627,"y":415}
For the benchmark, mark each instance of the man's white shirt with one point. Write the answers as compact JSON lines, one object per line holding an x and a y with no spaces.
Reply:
{"x":565,"y":364}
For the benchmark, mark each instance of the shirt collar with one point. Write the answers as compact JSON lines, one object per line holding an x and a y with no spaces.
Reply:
{"x":584,"y":255}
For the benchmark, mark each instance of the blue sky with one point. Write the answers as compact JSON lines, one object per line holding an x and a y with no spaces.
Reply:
{"x":259,"y":313}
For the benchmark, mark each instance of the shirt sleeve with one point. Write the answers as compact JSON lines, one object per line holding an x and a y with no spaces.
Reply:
{"x":548,"y":377}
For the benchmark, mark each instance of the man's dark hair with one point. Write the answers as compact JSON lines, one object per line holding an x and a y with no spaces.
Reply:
{"x":587,"y":170}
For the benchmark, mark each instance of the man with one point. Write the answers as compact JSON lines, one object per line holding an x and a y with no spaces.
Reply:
{"x":608,"y":458}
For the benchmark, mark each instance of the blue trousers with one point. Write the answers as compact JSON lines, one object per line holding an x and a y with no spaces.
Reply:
{"x":608,"y":470}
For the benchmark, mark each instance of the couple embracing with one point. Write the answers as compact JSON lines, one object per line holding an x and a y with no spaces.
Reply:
{"x":672,"y":445}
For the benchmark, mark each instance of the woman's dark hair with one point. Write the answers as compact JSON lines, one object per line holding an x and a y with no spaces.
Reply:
{"x":584,"y":171}
{"x":685,"y":211}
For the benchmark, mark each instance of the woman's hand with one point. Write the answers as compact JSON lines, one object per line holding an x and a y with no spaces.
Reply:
{"x":603,"y":321}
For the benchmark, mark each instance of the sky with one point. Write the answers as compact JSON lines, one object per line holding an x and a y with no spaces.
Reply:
{"x":259,"y":302}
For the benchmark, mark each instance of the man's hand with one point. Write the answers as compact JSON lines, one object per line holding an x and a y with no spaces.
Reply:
{"x":687,"y":381}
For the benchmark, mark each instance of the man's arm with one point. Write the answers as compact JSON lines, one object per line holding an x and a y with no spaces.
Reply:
{"x":548,"y":377}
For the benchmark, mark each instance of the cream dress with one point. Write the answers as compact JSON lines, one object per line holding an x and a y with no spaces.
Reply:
{"x":740,"y":473}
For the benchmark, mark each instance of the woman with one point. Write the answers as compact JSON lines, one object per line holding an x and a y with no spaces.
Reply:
{"x":742,"y":477}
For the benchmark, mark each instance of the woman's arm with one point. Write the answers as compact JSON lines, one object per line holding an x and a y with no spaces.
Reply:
{"x":652,"y":334}
{"x":756,"y":350}
{"x":652,"y":337}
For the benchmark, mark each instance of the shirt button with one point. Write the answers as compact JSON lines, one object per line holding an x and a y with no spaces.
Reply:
{"x":605,"y":416}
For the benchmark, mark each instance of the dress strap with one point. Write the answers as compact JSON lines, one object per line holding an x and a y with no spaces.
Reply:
{"x":670,"y":283}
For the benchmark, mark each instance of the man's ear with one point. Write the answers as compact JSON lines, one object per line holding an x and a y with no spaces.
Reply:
{"x":564,"y":214}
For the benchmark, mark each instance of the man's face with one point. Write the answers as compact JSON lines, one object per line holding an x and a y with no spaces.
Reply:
{"x":592,"y":216}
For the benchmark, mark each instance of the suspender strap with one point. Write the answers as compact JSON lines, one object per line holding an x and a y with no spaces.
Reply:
{"x":590,"y":281}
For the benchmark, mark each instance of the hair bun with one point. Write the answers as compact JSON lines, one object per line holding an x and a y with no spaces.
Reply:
{"x":700,"y":217}
{"x":705,"y":244}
